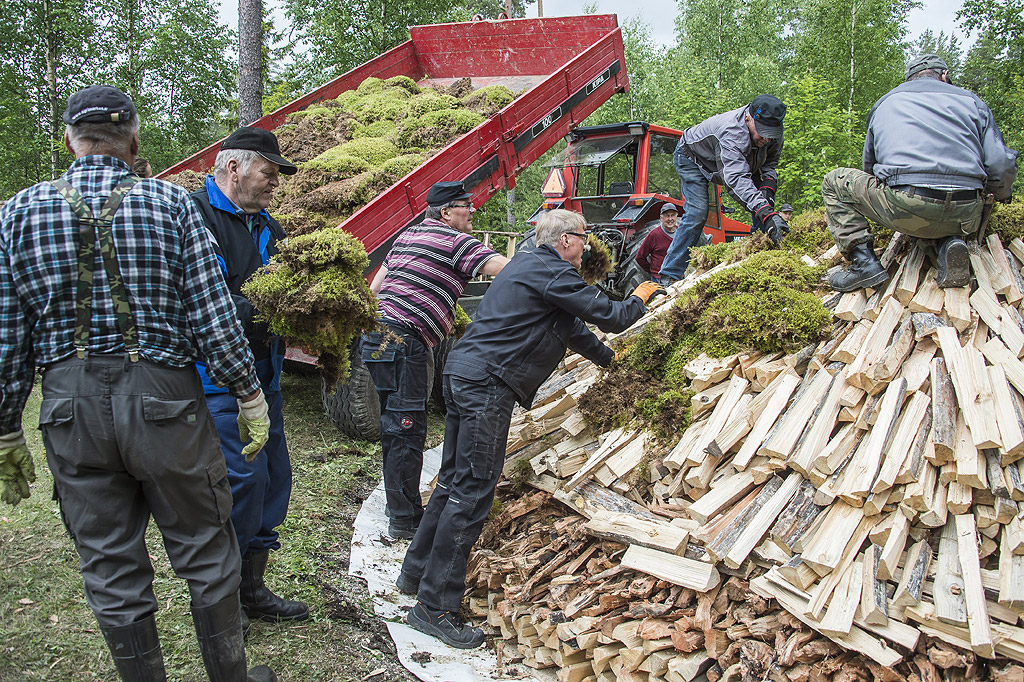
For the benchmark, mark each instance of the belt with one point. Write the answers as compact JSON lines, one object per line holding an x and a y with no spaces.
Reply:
{"x":940,"y":195}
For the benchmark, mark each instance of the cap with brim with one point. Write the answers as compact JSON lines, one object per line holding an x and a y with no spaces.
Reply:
{"x":98,"y":104}
{"x":767,"y":112}
{"x":669,"y":207}
{"x":443,"y":193}
{"x":786,"y":207}
{"x":261,"y":141}
{"x":926,"y":61}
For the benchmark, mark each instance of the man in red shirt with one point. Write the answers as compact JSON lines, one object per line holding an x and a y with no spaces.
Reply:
{"x":652,"y":252}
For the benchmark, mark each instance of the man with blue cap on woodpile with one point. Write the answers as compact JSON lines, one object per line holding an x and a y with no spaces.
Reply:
{"x":534,"y":309}
{"x":931,"y":155}
{"x":234,"y":206}
{"x":739,"y":150}
{"x":417,"y":288}
{"x":110,"y":284}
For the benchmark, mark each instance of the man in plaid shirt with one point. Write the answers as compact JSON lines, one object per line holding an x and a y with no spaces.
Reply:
{"x":116,"y":304}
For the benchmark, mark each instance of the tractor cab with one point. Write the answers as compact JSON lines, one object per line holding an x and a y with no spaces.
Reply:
{"x":618,"y":176}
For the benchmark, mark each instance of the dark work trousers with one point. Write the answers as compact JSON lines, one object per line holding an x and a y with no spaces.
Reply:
{"x":694,"y":188}
{"x":262,"y":488}
{"x":399,"y":372}
{"x":126,"y":440}
{"x":475,"y":434}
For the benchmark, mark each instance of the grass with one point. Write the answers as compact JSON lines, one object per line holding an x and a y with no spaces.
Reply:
{"x":47,"y":631}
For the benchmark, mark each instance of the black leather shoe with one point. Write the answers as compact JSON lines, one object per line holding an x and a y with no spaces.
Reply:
{"x":954,"y":263}
{"x":864,"y":271}
{"x":446,"y":626}
{"x":406,"y":584}
{"x":257,"y":599}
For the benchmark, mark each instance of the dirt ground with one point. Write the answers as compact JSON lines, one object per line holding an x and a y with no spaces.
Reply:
{"x":47,"y":631}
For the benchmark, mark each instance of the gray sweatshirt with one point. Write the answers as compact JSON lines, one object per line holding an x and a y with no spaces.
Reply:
{"x":928,"y":133}
{"x":722,"y":148}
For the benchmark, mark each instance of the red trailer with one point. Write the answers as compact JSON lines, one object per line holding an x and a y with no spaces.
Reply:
{"x":568,"y":66}
{"x":565,"y":68}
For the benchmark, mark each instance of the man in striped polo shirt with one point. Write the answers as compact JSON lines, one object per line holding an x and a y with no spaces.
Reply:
{"x":417,"y":288}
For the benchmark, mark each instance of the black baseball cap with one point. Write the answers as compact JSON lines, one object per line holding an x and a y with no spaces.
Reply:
{"x":767,"y":112}
{"x":261,"y":141}
{"x":786,"y":207}
{"x":99,"y":104}
{"x":443,"y":193}
{"x":669,"y":207}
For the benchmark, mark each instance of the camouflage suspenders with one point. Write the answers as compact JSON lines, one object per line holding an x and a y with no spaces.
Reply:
{"x":91,"y":226}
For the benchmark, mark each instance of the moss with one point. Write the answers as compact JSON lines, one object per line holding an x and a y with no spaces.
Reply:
{"x":488,"y":100}
{"x":370,"y":86}
{"x":383,"y":128}
{"x":311,"y":112}
{"x":712,"y":255}
{"x":768,"y":302}
{"x":400,"y":166}
{"x":375,"y":151}
{"x":1008,"y":220}
{"x":374,"y":108}
{"x":314,"y":293}
{"x":809,"y":233}
{"x":428,"y":101}
{"x":461,"y":322}
{"x":403,"y":82}
{"x":599,"y":263}
{"x":338,"y":162}
{"x":437,"y":128}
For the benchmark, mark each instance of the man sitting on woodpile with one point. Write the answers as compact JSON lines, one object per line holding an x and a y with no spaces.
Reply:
{"x":536,"y":307}
{"x":931,"y":154}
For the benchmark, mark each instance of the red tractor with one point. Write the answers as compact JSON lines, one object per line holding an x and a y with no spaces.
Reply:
{"x":618,"y":176}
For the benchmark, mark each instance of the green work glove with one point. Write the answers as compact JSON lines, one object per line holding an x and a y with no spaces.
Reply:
{"x":253,"y":425}
{"x":16,"y":468}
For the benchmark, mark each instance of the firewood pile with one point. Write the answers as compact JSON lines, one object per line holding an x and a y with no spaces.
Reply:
{"x":848,"y":512}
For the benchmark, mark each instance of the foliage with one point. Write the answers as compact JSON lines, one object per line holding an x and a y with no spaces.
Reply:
{"x":1007,"y":220}
{"x":314,"y":293}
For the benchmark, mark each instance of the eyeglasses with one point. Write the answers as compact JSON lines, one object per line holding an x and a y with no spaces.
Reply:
{"x":581,"y":235}
{"x":469,"y":206}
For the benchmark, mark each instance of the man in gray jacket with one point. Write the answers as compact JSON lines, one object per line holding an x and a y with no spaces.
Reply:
{"x":739,"y":149}
{"x":931,"y":154}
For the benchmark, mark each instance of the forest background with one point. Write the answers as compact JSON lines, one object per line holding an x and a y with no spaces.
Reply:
{"x":829,"y":60}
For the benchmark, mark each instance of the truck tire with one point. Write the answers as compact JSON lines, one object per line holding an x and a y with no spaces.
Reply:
{"x":354,"y":408}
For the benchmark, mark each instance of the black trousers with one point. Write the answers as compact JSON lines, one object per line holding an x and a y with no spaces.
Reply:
{"x":126,"y":440}
{"x":399,"y":372}
{"x":476,"y":431}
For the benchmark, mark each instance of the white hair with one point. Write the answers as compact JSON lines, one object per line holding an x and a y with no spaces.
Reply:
{"x":557,"y":222}
{"x":93,"y":138}
{"x":244,"y":157}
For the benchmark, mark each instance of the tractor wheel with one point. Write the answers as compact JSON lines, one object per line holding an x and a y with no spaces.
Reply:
{"x":354,"y":407}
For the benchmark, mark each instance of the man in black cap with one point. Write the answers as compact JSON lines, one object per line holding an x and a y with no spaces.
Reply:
{"x":110,"y":283}
{"x":417,"y":289}
{"x":786,"y":211}
{"x":931,"y":154}
{"x":234,"y":205}
{"x":739,"y":150}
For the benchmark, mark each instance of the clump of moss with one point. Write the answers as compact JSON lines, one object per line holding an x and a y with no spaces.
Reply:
{"x":370,"y":86}
{"x":599,"y":263}
{"x":403,"y":82}
{"x":1007,"y":220}
{"x":461,"y":322}
{"x":400,"y":166}
{"x":190,"y":180}
{"x":428,"y":101}
{"x":809,"y":233}
{"x":488,"y":100}
{"x":712,"y":255}
{"x":437,"y":128}
{"x":314,"y":293}
{"x":374,"y":150}
{"x":766,"y":303}
{"x":383,"y":128}
{"x":339,"y":163}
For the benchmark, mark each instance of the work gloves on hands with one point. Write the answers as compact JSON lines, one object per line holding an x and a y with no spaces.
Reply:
{"x":774,"y":224}
{"x":253,"y":425}
{"x":16,"y":468}
{"x":648,"y":290}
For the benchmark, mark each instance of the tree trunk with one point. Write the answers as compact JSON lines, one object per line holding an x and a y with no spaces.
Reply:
{"x":53,"y":124}
{"x":250,"y":61}
{"x":853,"y":42}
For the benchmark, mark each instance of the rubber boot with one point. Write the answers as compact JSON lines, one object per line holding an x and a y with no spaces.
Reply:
{"x":257,"y":599}
{"x":954,"y":263}
{"x":136,"y":651}
{"x":864,"y":271}
{"x":219,"y":630}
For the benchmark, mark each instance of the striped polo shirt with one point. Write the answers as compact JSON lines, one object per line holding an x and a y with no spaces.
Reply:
{"x":428,"y":269}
